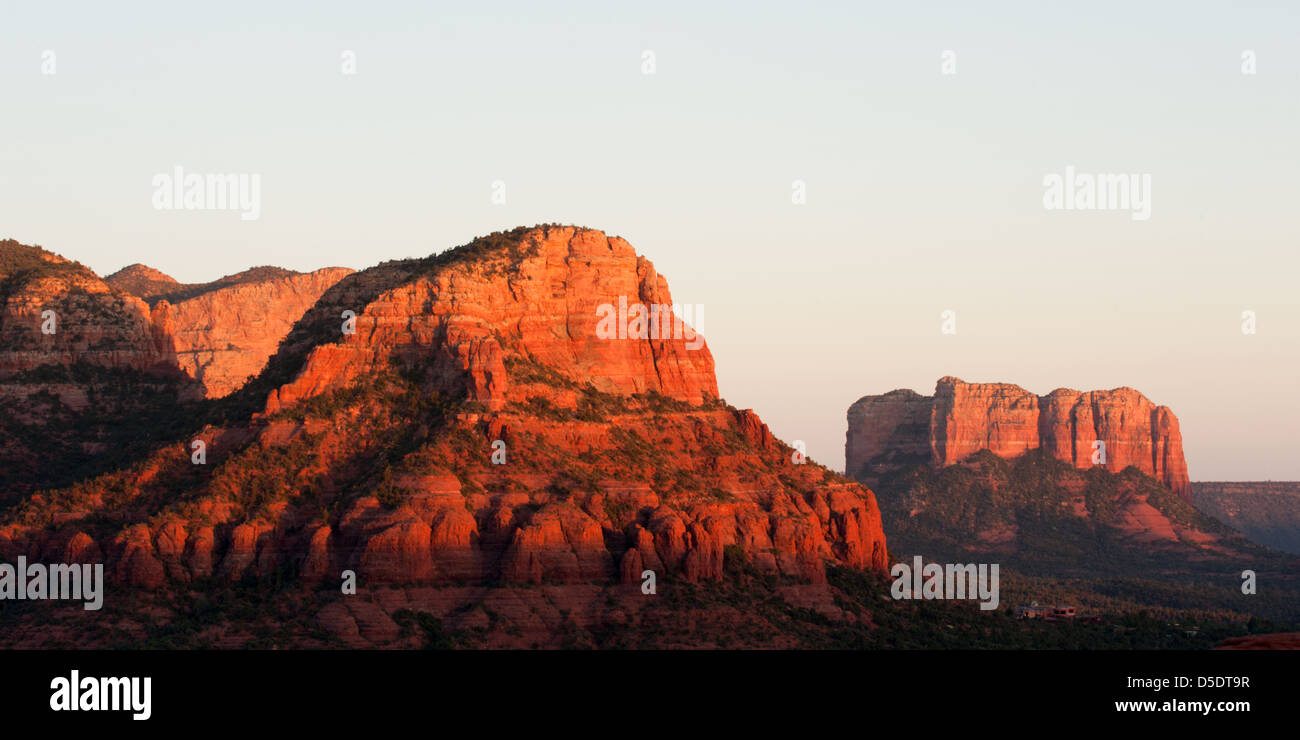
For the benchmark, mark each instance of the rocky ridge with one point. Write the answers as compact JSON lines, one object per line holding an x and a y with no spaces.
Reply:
{"x":370,"y":447}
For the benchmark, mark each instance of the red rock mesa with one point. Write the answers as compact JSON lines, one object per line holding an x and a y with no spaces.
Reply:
{"x":961,"y":418}
{"x":373,"y":450}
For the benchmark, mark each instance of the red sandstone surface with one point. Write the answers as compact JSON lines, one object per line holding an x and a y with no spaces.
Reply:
{"x":372,"y":450}
{"x":219,"y":333}
{"x":224,"y":336}
{"x":962,"y":418}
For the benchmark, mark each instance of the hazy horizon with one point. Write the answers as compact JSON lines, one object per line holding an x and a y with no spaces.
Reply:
{"x":924,"y":190}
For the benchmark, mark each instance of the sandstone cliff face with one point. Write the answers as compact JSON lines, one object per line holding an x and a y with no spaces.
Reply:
{"x":91,"y":374}
{"x":219,"y":334}
{"x":88,"y":323}
{"x":542,"y":305}
{"x":963,"y":418}
{"x":898,"y":435}
{"x":77,"y":360}
{"x":375,"y":450}
{"x":1136,"y":432}
{"x":224,"y":336}
{"x":967,"y":417}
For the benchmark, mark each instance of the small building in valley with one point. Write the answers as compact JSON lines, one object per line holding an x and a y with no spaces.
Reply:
{"x":1046,"y":613}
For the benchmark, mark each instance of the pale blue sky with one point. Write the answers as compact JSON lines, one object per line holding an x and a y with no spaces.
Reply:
{"x":924,"y":190}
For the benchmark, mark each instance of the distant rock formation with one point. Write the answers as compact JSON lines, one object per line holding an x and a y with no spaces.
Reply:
{"x":1268,"y":512}
{"x":143,"y":281}
{"x":91,"y":370}
{"x":224,"y":335}
{"x":153,"y":285}
{"x":902,"y":427}
{"x":55,"y":312}
{"x":218,"y":334}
